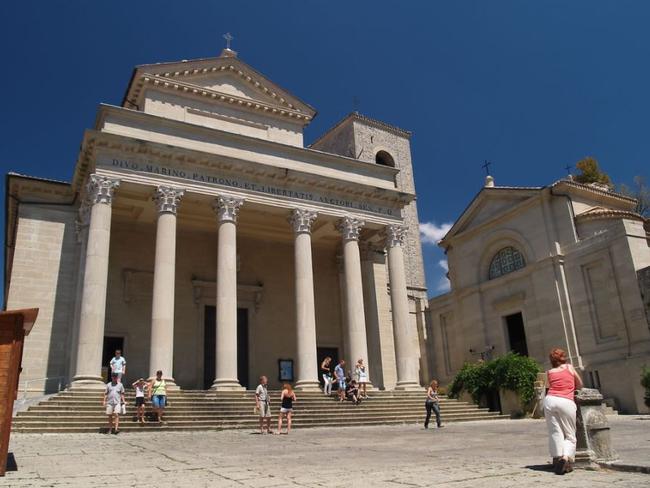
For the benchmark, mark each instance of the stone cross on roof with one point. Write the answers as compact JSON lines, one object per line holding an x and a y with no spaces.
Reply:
{"x":228,"y":37}
{"x":486,"y":165}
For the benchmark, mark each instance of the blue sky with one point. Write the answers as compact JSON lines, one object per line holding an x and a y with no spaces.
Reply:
{"x":531,"y":86}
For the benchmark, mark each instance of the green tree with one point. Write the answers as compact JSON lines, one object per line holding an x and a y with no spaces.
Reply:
{"x":590,"y":172}
{"x":640,"y":191}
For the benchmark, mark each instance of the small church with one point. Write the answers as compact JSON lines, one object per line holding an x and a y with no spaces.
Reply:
{"x":532,"y":268}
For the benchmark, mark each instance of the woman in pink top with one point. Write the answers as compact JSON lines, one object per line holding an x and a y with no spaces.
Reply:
{"x":560,"y":411}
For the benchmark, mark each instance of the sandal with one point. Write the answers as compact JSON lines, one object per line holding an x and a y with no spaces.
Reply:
{"x":560,"y":466}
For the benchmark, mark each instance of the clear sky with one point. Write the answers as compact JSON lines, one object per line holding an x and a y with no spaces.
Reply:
{"x":530,"y":85}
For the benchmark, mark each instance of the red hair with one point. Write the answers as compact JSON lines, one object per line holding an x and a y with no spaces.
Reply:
{"x":287,"y":387}
{"x":557,"y":357}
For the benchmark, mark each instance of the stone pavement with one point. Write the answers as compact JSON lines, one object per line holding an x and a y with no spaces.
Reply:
{"x":475,"y":454}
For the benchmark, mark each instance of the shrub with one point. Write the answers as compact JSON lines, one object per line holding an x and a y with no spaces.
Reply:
{"x":645,"y":379}
{"x":510,"y":371}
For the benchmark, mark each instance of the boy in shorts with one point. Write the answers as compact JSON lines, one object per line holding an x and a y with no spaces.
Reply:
{"x":113,"y":400}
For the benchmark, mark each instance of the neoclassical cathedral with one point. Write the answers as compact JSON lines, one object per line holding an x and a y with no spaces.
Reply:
{"x":200,"y":236}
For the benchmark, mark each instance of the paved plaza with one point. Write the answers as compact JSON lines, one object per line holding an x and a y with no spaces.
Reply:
{"x":474,"y":454}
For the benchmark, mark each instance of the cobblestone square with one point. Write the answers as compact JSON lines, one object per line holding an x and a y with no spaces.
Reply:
{"x":486,"y":454}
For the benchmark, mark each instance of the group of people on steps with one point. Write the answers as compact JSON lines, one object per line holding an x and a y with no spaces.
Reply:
{"x":559,"y":402}
{"x":114,"y":401}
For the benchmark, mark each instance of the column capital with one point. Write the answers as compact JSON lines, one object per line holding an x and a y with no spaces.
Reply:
{"x":168,"y":199}
{"x":301,"y":220}
{"x":227,"y":208}
{"x":100,"y":189}
{"x":350,"y":228}
{"x":395,"y":235}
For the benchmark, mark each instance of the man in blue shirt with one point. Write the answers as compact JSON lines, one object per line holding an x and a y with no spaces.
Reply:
{"x":118,"y":365}
{"x":339,"y":373}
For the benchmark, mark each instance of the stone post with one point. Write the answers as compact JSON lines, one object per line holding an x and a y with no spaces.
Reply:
{"x":307,"y":360}
{"x":405,"y":354}
{"x":93,"y":299}
{"x":356,"y":320}
{"x":167,"y":200}
{"x":226,"y":377}
{"x":594,"y":444}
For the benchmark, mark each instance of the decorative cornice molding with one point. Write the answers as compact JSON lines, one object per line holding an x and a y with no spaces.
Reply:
{"x":168,"y":199}
{"x":217,"y":96}
{"x":301,"y":220}
{"x":350,"y":228}
{"x":227,"y":208}
{"x":101,"y":188}
{"x":396,"y":235}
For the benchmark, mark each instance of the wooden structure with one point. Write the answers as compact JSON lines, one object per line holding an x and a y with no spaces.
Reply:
{"x":14,"y":326}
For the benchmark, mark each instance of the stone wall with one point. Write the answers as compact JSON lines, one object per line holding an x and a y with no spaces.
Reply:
{"x":43,"y":276}
{"x":644,"y":286}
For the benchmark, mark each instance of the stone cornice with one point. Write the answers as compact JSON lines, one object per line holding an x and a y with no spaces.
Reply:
{"x":331,"y":160}
{"x":94,"y":141}
{"x":175,"y":71}
{"x":202,"y":93}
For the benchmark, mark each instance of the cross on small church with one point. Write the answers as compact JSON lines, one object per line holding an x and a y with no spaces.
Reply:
{"x":228,"y":37}
{"x":568,"y":169}
{"x":486,"y":165}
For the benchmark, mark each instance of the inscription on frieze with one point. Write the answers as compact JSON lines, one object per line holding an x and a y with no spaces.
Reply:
{"x":201,"y":176}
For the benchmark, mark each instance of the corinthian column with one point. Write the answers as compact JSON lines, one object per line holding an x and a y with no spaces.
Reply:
{"x":357,"y":346}
{"x":93,"y":298}
{"x":405,"y":354}
{"x":226,"y":378}
{"x":307,"y":377}
{"x":167,"y":200}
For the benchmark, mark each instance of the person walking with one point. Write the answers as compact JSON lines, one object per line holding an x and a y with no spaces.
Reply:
{"x":287,"y":397}
{"x":361,"y":376}
{"x":263,"y":404}
{"x":141,"y":388}
{"x":432,"y":404}
{"x":326,"y":371}
{"x":339,"y":373}
{"x":158,"y":392}
{"x":560,"y":411}
{"x":113,"y":401}
{"x":118,"y":365}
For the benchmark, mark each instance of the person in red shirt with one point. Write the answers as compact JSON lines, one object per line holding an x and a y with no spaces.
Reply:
{"x":560,"y":411}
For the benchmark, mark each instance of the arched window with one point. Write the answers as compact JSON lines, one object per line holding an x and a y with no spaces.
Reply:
{"x":506,"y":261}
{"x":385,"y":159}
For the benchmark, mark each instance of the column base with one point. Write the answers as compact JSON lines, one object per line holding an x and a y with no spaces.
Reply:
{"x":226,"y":385}
{"x":307,"y":385}
{"x":408,"y":386}
{"x":87,"y":383}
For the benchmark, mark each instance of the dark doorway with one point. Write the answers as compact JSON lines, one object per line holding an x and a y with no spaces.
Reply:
{"x":322,"y":353}
{"x":210,"y":346}
{"x":111,"y":344}
{"x":517,"y":334}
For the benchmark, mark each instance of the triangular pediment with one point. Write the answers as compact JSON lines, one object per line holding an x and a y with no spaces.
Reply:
{"x":216,"y":78}
{"x":490,"y":204}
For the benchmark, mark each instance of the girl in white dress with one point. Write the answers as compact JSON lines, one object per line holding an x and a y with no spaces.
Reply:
{"x":361,"y":374}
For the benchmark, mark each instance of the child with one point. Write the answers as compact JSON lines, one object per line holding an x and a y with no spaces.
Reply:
{"x":353,"y":392}
{"x":141,"y":388}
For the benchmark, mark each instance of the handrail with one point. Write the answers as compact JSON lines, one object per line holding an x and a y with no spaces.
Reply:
{"x":27,"y":382}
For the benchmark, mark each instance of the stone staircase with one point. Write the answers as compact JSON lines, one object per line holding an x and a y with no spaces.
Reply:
{"x":81,"y":411}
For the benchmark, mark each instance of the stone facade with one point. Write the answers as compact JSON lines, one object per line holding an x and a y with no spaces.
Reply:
{"x":200,"y":235}
{"x":575,"y":286}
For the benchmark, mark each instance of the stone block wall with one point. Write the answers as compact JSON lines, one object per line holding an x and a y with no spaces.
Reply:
{"x":44,"y":276}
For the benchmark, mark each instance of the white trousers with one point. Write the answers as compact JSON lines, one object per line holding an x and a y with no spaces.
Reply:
{"x":560,"y":414}
{"x":327,"y":387}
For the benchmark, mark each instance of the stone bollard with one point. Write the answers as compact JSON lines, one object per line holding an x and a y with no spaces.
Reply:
{"x":592,"y":431}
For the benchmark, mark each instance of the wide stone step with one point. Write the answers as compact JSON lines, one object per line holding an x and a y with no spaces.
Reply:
{"x":252,"y":421}
{"x":237,"y":416}
{"x":75,"y":411}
